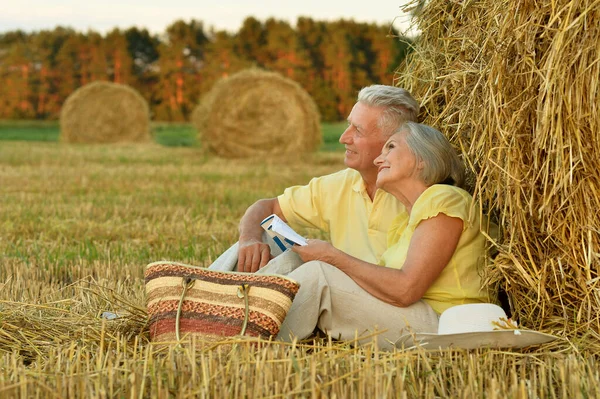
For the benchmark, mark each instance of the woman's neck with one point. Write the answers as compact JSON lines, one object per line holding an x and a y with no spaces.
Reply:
{"x":409,"y":192}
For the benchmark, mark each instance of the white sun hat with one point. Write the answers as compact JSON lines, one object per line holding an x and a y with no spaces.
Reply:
{"x":477,"y":325}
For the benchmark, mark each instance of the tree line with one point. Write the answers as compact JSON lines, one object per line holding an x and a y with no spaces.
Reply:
{"x":331,"y":60}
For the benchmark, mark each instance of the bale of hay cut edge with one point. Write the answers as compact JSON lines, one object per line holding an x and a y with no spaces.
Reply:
{"x":256,"y":113}
{"x":104,"y":112}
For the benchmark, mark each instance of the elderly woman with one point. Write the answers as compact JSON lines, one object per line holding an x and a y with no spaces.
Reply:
{"x":431,"y":264}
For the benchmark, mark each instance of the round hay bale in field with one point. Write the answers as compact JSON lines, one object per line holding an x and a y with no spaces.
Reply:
{"x":104,"y":112}
{"x":256,"y":113}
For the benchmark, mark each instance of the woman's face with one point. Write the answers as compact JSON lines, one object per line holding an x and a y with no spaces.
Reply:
{"x":396,"y":164}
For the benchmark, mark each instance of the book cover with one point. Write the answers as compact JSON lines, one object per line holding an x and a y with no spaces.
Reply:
{"x":284,"y":236}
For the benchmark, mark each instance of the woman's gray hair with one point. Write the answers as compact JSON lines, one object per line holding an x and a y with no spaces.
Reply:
{"x":441,"y":162}
{"x":399,"y":105}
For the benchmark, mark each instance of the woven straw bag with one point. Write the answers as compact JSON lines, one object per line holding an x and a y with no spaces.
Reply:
{"x":192,"y":302}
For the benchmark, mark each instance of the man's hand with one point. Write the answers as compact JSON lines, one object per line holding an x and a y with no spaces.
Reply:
{"x":252,"y":255}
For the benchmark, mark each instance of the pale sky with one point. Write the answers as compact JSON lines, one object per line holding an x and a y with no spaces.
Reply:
{"x":102,"y":16}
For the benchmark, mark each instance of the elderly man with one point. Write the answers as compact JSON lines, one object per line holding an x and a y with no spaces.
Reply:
{"x":345,"y":204}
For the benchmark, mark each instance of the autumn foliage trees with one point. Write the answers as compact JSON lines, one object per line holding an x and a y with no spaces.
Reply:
{"x":331,"y":60}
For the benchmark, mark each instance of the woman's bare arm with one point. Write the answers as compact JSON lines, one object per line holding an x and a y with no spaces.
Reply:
{"x":431,"y":248}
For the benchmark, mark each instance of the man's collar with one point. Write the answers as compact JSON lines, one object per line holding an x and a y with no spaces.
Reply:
{"x":359,"y":184}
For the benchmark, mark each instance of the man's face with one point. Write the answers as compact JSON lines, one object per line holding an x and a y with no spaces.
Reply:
{"x":363,"y":139}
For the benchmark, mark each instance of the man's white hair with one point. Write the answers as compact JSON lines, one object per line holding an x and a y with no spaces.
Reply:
{"x":399,"y":106}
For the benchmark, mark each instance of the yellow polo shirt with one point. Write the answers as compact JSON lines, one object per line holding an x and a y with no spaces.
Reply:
{"x":339,"y":205}
{"x":460,"y":281}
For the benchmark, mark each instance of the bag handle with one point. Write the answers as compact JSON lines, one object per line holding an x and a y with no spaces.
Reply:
{"x":187,"y":283}
{"x":242,"y":292}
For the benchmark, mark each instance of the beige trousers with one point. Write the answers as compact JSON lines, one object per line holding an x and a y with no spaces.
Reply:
{"x":333,"y":302}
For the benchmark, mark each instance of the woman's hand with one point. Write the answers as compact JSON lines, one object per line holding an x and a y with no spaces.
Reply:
{"x":315,"y":250}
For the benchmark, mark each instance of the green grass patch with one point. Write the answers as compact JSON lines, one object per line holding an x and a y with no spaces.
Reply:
{"x":29,"y":131}
{"x":331,"y":136}
{"x":164,"y":133}
{"x":175,"y":134}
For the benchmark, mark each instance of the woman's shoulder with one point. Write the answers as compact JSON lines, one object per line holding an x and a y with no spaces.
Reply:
{"x":442,"y":198}
{"x":443,"y":191}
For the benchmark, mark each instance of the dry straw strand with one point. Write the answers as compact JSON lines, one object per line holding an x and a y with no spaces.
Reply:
{"x":256,"y":113}
{"x":104,"y":112}
{"x":515,"y":85}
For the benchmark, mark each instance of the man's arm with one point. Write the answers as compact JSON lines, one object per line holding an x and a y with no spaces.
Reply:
{"x":253,"y":253}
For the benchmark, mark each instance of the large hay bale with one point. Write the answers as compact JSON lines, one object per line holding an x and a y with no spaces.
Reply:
{"x":516,"y":84}
{"x":256,"y":113}
{"x":104,"y":112}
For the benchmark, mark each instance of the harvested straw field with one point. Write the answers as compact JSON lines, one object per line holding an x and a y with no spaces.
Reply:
{"x":517,"y":89}
{"x":516,"y":85}
{"x":104,"y":112}
{"x":78,"y":225}
{"x":255,"y":113}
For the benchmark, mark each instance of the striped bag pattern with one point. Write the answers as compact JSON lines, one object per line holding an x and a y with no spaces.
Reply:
{"x":188,"y":301}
